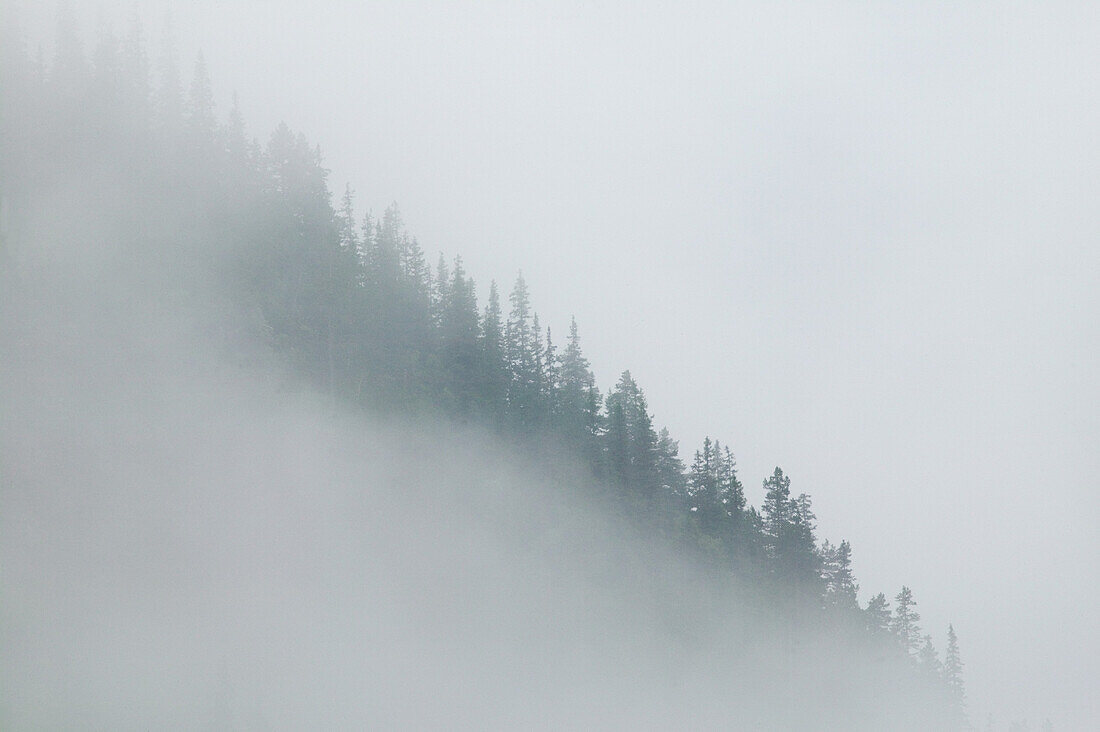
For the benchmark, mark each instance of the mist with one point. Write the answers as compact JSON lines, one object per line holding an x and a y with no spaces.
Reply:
{"x":857,"y":244}
{"x":193,"y":540}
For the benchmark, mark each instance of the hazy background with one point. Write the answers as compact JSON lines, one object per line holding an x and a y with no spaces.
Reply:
{"x":860,"y":243}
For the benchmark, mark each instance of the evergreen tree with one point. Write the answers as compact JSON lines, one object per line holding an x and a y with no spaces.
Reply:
{"x":840,"y":584}
{"x":551,"y":376}
{"x":904,"y":624}
{"x":493,"y":370}
{"x":632,"y":441}
{"x":877,"y":615}
{"x":578,"y":400}
{"x":460,"y":332}
{"x":776,"y":511}
{"x":670,"y":468}
{"x":928,"y":660}
{"x":704,"y":490}
{"x":440,"y":290}
{"x":384,"y":266}
{"x":417,"y":273}
{"x":522,"y":356}
{"x":345,"y":218}
{"x":802,"y":561}
{"x":952,"y":676}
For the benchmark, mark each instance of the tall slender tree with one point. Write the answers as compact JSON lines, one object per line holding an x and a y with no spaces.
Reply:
{"x":952,"y":676}
{"x":905,"y":623}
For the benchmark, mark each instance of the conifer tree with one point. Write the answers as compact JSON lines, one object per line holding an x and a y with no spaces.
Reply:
{"x":840,"y":585}
{"x":578,"y":400}
{"x":778,"y":516}
{"x":705,"y":494}
{"x":928,"y":660}
{"x":670,"y":468}
{"x":416,"y":271}
{"x":522,"y":357}
{"x":904,"y":625}
{"x":952,"y":676}
{"x":802,"y":561}
{"x":877,"y":615}
{"x":459,"y":332}
{"x":494,"y":372}
{"x":440,"y":290}
{"x":345,"y":219}
{"x":551,"y":379}
{"x":632,"y":441}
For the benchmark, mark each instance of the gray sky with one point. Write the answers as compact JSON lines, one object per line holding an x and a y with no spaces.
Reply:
{"x":858,"y":242}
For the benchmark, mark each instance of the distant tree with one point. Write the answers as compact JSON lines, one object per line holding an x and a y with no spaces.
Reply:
{"x":928,"y":660}
{"x":493,"y":369}
{"x":384,"y":270}
{"x":578,"y":399}
{"x":801,"y":558}
{"x":708,"y":482}
{"x":952,"y":676}
{"x":877,"y":615}
{"x":416,"y":272}
{"x":551,"y":378}
{"x":904,"y":624}
{"x":345,"y":217}
{"x":840,"y":584}
{"x":521,"y":351}
{"x":670,"y":468}
{"x":776,"y":512}
{"x":632,"y":440}
{"x":440,"y":287}
{"x":460,"y":355}
{"x":789,"y":526}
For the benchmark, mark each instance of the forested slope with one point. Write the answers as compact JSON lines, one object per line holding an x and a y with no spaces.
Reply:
{"x":127,"y":200}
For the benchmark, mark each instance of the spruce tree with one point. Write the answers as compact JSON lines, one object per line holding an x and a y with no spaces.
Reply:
{"x":493,"y":370}
{"x":928,"y":660}
{"x":459,"y":333}
{"x":522,"y":357}
{"x":952,"y":676}
{"x":840,"y":584}
{"x":670,"y":467}
{"x":904,"y":625}
{"x":877,"y":615}
{"x":780,"y":537}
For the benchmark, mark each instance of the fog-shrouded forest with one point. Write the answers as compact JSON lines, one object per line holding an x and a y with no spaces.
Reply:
{"x":271,"y":462}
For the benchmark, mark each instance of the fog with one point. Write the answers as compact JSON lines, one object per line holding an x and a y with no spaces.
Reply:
{"x":858,"y":243}
{"x":190,"y":541}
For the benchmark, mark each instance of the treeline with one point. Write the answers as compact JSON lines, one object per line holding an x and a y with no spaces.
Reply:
{"x":352,"y":304}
